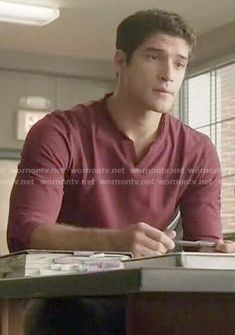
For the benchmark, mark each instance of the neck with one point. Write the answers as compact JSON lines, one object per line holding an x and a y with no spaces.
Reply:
{"x":133,"y":120}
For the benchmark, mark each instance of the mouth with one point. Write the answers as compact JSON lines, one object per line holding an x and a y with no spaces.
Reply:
{"x":162,"y":91}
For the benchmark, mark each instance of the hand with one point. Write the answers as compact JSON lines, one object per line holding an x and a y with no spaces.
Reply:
{"x":143,"y":240}
{"x":226,"y":246}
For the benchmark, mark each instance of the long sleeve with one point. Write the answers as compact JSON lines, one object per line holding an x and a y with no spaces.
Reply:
{"x":37,"y":193}
{"x":200,"y":204}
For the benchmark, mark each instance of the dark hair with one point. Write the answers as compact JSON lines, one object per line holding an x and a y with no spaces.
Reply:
{"x":134,"y":29}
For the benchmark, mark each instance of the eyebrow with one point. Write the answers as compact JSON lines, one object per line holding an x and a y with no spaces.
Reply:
{"x":152,"y":49}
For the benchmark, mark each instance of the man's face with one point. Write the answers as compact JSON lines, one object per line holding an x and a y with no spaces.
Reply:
{"x":155,"y":73}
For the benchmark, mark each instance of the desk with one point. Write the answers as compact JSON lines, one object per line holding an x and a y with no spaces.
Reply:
{"x":159,"y":301}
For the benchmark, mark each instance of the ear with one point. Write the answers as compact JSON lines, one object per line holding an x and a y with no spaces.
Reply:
{"x":119,"y":61}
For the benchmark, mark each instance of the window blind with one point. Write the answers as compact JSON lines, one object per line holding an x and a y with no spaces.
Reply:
{"x":207,"y":103}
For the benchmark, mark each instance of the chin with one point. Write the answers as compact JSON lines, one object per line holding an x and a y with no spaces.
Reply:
{"x":157,"y":106}
{"x":162,"y":108}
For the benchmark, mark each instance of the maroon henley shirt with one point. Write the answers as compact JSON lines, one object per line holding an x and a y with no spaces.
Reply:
{"x":78,"y":168}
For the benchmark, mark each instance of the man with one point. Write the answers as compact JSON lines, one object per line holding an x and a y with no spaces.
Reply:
{"x":130,"y":128}
{"x":110,"y":175}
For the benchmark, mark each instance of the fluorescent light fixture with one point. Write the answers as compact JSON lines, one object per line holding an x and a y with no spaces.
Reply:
{"x":27,"y":14}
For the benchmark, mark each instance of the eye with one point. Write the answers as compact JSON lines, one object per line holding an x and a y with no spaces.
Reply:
{"x":180,"y":65}
{"x":152,"y":57}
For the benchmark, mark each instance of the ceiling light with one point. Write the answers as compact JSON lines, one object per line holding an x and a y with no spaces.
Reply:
{"x":27,"y":14}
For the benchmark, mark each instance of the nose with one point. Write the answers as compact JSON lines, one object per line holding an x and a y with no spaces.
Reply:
{"x":166,"y":72}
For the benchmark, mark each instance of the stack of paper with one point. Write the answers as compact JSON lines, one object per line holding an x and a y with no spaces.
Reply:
{"x":193,"y":260}
{"x":53,"y":262}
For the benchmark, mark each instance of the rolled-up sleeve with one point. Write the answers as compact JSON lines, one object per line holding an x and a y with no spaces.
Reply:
{"x":200,"y":204}
{"x":37,"y":193}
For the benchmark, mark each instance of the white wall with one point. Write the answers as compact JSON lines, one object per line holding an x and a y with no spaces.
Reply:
{"x":213,"y":47}
{"x":7,"y":176}
{"x":63,"y":92}
{"x":47,"y":64}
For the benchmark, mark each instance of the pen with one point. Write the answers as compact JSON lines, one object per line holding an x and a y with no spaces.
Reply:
{"x":196,"y":244}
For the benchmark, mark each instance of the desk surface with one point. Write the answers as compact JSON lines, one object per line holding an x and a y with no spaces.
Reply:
{"x":119,"y":282}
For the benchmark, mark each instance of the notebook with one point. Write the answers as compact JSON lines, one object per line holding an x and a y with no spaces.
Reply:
{"x":30,"y":263}
{"x":192,"y":260}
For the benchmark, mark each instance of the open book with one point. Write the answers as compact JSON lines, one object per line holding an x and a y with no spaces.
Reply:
{"x":29,"y":263}
{"x":193,"y":260}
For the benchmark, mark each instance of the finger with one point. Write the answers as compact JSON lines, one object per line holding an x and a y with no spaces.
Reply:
{"x":145,"y":252}
{"x":149,"y":243}
{"x":170,"y":233}
{"x":226,"y":246}
{"x":155,"y":246}
{"x":159,"y":236}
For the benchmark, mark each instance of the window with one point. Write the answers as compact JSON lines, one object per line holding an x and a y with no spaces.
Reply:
{"x":208,"y":105}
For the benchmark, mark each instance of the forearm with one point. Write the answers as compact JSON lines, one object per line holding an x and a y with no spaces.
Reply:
{"x":65,"y":237}
{"x":140,"y":238}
